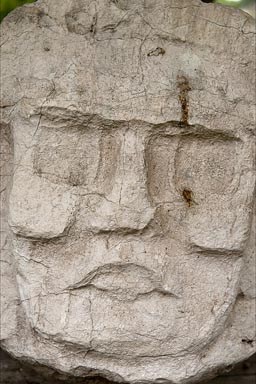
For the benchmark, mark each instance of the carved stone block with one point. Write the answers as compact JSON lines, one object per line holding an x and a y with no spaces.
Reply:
{"x":128,"y":231}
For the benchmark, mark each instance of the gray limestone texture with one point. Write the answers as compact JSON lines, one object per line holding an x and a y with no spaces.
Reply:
{"x":127,"y":211}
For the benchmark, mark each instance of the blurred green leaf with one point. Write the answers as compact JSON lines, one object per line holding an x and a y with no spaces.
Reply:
{"x":248,"y":6}
{"x":233,"y":3}
{"x":7,"y":6}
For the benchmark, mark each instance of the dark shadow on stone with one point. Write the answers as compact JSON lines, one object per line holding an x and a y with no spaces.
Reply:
{"x":13,"y":371}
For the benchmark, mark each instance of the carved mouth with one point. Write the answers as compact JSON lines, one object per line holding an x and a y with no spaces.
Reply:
{"x":124,"y":281}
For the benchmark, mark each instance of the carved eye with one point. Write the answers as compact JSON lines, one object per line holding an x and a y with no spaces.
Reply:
{"x":206,"y":167}
{"x":77,"y":156}
{"x":192,"y":167}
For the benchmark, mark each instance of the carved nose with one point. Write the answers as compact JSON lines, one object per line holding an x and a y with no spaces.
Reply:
{"x":127,"y":206}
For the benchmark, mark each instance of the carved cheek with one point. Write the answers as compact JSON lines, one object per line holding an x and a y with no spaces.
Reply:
{"x":220,"y":230}
{"x":224,"y":224}
{"x":38,"y":208}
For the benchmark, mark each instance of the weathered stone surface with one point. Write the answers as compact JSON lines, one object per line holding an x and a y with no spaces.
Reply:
{"x":128,"y":177}
{"x":14,"y":371}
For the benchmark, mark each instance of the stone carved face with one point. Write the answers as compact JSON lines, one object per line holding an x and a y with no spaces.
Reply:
{"x":129,"y":231}
{"x":134,"y":231}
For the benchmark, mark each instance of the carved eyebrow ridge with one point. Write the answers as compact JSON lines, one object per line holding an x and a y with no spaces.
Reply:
{"x":169,"y":128}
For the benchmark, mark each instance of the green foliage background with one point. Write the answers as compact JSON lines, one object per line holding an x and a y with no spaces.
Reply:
{"x":7,"y":6}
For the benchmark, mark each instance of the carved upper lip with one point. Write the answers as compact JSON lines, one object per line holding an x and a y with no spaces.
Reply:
{"x":124,"y":281}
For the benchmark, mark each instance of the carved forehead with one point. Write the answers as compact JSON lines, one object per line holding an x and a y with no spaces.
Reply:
{"x":124,"y":60}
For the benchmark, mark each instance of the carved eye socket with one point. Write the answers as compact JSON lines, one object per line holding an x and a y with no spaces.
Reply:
{"x":200,"y":165}
{"x":206,"y":167}
{"x":77,"y":156}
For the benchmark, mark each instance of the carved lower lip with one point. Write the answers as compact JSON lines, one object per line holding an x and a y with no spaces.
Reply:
{"x":123,"y":281}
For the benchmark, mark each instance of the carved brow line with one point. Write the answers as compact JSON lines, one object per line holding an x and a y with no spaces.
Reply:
{"x":87,"y":120}
{"x":194,"y":131}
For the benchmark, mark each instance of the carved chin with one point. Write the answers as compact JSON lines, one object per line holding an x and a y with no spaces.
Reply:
{"x":143,"y":320}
